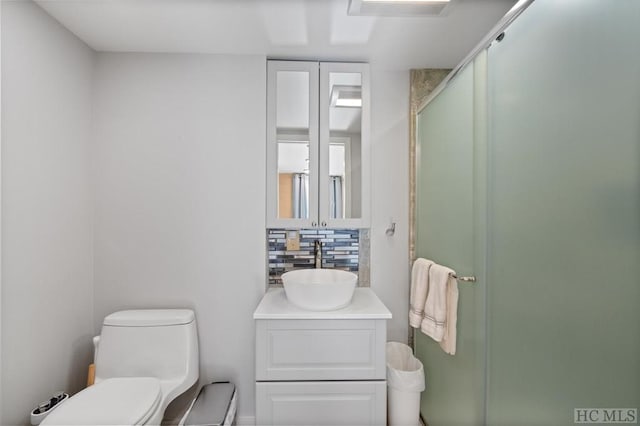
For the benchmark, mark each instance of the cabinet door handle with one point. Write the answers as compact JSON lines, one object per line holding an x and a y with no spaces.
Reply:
{"x":314,"y":224}
{"x":324,"y":224}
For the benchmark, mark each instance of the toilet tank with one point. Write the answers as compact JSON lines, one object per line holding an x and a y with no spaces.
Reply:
{"x":161,"y":343}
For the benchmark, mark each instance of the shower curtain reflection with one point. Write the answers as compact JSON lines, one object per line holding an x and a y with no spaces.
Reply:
{"x":299,"y":196}
{"x":335,"y":197}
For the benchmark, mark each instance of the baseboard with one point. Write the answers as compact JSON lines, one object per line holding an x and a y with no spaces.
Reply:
{"x":245,"y":421}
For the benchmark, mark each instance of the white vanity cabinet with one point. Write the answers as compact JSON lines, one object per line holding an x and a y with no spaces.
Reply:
{"x":318,"y":153}
{"x":321,"y":368}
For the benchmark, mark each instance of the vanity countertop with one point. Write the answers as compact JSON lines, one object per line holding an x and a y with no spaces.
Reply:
{"x":364,"y":305}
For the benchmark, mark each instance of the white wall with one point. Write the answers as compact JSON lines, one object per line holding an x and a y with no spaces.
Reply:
{"x":179,"y":167}
{"x":390,"y":195}
{"x":47,"y":292}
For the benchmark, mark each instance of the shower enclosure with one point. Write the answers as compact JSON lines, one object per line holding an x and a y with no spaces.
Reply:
{"x":528,"y":177}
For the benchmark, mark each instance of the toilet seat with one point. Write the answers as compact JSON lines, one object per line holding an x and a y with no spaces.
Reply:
{"x":114,"y":401}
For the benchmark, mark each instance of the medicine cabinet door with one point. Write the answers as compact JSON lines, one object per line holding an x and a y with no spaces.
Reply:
{"x":292,"y":144}
{"x":344,"y":145}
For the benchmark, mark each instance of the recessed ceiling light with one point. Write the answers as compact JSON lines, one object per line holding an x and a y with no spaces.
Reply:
{"x":400,"y":7}
{"x":349,"y":103}
{"x":346,"y":96}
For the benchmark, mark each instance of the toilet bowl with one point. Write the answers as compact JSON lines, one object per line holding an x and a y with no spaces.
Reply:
{"x":145,"y":359}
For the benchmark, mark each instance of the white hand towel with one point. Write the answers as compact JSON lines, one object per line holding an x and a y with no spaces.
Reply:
{"x":419,"y":289}
{"x":436,"y":307}
{"x":448,"y":343}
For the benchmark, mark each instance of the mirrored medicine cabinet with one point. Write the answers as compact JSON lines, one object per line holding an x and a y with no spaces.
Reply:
{"x":318,"y":150}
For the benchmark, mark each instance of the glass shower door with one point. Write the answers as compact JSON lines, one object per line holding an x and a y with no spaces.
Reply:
{"x":450,"y":154}
{"x":564,"y":264}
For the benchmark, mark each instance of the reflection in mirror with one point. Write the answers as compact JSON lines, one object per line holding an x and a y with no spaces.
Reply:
{"x":345,"y":124}
{"x":293,"y":178}
{"x":337,"y":152}
{"x":292,"y":132}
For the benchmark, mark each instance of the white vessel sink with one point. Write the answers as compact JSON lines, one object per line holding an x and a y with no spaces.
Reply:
{"x":319,"y":289}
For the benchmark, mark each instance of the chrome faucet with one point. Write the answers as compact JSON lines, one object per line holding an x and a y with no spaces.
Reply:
{"x":318,"y":253}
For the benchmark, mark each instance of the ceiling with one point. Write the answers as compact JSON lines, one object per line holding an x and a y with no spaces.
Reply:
{"x":285,"y":29}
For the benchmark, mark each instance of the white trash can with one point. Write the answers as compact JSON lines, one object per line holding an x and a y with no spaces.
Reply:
{"x":405,"y":382}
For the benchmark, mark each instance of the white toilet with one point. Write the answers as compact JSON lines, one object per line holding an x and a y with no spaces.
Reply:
{"x":144,"y":359}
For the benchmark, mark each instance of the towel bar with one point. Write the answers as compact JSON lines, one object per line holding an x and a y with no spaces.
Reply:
{"x":465,"y":279}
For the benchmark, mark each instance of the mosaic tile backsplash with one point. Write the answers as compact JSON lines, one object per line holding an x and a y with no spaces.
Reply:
{"x":346,"y":249}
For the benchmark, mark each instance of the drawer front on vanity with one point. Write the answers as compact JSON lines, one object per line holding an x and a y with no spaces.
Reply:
{"x":320,"y":349}
{"x":321,"y":403}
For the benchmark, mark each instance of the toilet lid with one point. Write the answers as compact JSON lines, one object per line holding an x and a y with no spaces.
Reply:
{"x":116,"y":401}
